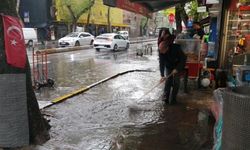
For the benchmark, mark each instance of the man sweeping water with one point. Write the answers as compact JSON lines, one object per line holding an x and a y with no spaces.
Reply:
{"x":173,"y":60}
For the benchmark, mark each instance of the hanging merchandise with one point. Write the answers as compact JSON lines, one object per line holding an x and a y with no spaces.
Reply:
{"x":242,"y":41}
{"x":241,"y":45}
{"x":14,"y":42}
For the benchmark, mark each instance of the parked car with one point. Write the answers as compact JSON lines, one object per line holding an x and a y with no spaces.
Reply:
{"x":76,"y":39}
{"x":30,"y":36}
{"x":111,"y":41}
{"x":124,"y":34}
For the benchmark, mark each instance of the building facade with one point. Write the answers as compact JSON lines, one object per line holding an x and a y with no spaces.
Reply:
{"x":52,"y":19}
{"x":39,"y":15}
{"x":98,"y":21}
{"x":133,"y":20}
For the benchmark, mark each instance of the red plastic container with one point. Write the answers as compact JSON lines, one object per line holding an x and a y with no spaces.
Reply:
{"x":193,"y":69}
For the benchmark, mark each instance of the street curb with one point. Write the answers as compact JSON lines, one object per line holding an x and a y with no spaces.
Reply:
{"x":68,"y":49}
{"x":61,"y":50}
{"x":84,"y":89}
{"x":133,"y":42}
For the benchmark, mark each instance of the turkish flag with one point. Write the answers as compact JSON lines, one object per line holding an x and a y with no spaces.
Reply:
{"x":14,"y":42}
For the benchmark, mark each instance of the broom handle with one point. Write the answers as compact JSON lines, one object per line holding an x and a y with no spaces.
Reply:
{"x":155,"y":86}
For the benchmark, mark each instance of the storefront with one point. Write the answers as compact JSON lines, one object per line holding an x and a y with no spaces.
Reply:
{"x":235,"y":35}
{"x":97,"y":29}
{"x":231,"y":107}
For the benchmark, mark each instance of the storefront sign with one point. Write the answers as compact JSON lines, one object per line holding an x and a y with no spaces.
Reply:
{"x":26,"y":17}
{"x":202,"y":9}
{"x":134,"y":7}
{"x":212,"y":2}
{"x":129,"y":6}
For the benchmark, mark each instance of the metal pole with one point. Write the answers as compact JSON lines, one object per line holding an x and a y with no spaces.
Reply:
{"x":33,"y":67}
{"x":37,"y":66}
{"x":46,"y":65}
{"x":223,"y":32}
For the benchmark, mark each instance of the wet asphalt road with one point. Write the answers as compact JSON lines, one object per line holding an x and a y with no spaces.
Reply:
{"x":114,"y":115}
{"x":101,"y":118}
{"x":72,"y":70}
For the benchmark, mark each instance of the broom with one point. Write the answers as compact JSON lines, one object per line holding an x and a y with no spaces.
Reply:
{"x":135,"y":106}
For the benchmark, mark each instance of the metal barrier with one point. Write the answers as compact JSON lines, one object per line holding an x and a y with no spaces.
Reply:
{"x":236,"y":115}
{"x":40,"y":70}
{"x":144,"y":48}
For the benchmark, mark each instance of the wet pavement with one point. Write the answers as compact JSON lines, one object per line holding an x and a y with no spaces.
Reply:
{"x":116,"y":115}
{"x":72,"y":70}
{"x":105,"y":118}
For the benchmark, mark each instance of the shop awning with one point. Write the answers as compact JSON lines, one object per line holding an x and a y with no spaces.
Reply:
{"x":129,"y":6}
{"x":144,"y":7}
{"x":119,"y":25}
{"x":157,"y":5}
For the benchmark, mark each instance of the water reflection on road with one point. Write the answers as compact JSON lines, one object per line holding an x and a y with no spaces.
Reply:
{"x":115,"y":115}
{"x":78,"y":69}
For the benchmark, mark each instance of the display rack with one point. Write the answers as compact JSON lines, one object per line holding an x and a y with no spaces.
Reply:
{"x":237,"y":36}
{"x":238,"y":33}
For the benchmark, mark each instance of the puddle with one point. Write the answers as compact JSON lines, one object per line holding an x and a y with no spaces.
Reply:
{"x":100,"y":119}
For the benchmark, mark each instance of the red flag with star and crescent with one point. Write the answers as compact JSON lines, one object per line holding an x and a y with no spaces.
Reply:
{"x":14,"y":42}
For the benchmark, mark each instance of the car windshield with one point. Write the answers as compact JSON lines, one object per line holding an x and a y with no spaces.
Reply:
{"x":74,"y":34}
{"x":122,"y":32}
{"x":104,"y":36}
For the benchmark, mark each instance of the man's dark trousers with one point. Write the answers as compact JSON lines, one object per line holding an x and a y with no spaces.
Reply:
{"x":174,"y":82}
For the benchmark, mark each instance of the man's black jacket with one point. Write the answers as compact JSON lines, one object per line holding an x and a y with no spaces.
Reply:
{"x":174,"y":58}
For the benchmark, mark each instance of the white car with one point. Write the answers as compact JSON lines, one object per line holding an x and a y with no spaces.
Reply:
{"x":111,"y":41}
{"x":124,"y":34}
{"x":76,"y":39}
{"x":30,"y":36}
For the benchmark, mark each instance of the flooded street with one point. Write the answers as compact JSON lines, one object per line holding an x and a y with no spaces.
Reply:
{"x":102,"y":118}
{"x":124,"y":113}
{"x":72,"y":70}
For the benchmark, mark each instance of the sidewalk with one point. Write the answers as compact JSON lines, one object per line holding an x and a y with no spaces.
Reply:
{"x":97,"y":120}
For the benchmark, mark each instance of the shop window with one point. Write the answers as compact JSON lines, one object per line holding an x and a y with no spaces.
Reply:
{"x":238,"y":32}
